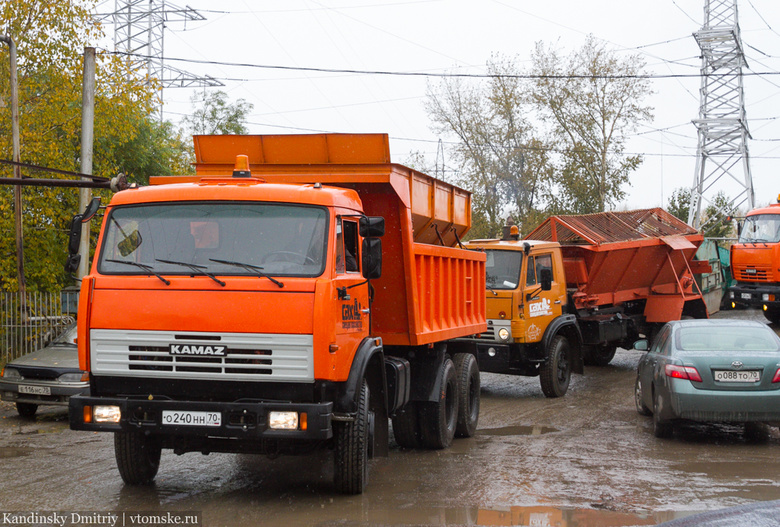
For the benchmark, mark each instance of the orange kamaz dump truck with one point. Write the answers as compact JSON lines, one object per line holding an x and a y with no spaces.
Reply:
{"x":299,"y":292}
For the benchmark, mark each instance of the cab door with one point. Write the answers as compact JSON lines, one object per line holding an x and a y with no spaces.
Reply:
{"x":351,"y":289}
{"x":541,"y":307}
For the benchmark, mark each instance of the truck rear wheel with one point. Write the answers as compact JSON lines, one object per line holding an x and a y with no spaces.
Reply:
{"x":439,"y":419}
{"x":600,"y":355}
{"x":406,"y":426}
{"x":467,"y":373}
{"x":555,"y":372}
{"x":350,"y":474}
{"x":137,"y":457}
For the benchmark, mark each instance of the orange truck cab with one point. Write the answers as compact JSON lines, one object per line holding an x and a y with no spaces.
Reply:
{"x":300,"y":302}
{"x":755,"y":262}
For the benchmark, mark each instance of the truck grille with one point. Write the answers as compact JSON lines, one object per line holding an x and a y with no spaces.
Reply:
{"x":490,"y":334}
{"x":752,"y":274}
{"x":246,"y":356}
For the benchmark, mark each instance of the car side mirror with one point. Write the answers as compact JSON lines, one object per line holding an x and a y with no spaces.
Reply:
{"x":642,"y":345}
{"x":372,"y":258}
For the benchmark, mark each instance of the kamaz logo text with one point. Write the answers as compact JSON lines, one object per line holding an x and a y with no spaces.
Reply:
{"x":197,"y":349}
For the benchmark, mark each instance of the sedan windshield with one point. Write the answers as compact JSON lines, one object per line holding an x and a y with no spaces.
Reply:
{"x":215,"y":238}
{"x":761,"y":228}
{"x":727,"y":338}
{"x":503,"y":269}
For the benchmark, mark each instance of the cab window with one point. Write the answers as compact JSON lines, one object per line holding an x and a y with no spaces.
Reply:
{"x":535,"y":266}
{"x":346,"y":246}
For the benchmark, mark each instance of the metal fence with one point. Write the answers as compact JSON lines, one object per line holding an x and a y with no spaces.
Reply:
{"x":30,"y":322}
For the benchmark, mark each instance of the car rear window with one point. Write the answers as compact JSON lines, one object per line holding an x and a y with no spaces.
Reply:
{"x":727,"y":338}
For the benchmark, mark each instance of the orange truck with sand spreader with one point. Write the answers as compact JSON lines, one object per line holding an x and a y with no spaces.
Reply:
{"x":298,"y":292}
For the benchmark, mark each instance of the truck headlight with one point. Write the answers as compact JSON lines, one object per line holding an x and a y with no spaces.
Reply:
{"x":283,"y":420}
{"x":503,"y":334}
{"x":107,"y":414}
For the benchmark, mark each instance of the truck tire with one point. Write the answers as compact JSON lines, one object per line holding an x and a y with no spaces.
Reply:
{"x":600,"y":355}
{"x":350,"y":473}
{"x":439,"y":419}
{"x":467,"y":373}
{"x":555,"y":372}
{"x":26,"y":410}
{"x":772,"y":315}
{"x":137,"y":457}
{"x":406,"y":426}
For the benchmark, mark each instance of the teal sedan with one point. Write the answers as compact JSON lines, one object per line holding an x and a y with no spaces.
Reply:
{"x":710,"y":371}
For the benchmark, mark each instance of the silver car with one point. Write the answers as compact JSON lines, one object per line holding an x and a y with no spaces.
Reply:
{"x":47,"y":376}
{"x":710,"y":371}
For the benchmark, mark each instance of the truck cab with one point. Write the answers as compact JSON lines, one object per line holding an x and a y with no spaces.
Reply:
{"x":754,"y":262}
{"x":529,"y":331}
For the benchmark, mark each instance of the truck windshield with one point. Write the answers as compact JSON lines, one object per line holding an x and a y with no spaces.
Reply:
{"x":761,"y":228}
{"x":503,"y":269}
{"x":279,"y":239}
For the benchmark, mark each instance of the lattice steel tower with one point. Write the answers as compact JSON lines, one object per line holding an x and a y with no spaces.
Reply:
{"x":722,"y":151}
{"x":139,"y":31}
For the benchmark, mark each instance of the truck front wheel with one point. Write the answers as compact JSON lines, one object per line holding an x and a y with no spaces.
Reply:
{"x":467,"y":373}
{"x":350,"y":474}
{"x":439,"y":419}
{"x":555,"y":372}
{"x":137,"y":457}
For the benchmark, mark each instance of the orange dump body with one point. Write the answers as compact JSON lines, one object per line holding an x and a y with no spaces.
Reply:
{"x":615,"y":257}
{"x":429,"y":290}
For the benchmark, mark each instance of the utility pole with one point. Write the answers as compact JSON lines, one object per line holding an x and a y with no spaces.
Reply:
{"x":722,"y":151}
{"x":87,"y":136}
{"x":17,"y":172}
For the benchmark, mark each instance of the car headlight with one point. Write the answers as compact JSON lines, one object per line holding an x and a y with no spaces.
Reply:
{"x":11,"y":374}
{"x":71,"y":377}
{"x":503,"y":334}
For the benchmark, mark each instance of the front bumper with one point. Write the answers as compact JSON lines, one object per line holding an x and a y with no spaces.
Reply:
{"x":239,"y":420}
{"x":730,"y":406}
{"x":754,"y":295}
{"x":58,"y":392}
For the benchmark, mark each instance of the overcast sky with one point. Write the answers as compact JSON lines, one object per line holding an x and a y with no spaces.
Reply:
{"x":439,"y":36}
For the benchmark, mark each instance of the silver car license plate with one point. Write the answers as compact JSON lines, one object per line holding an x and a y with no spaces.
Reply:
{"x":34,"y":390}
{"x":737,"y":376}
{"x":185,"y":418}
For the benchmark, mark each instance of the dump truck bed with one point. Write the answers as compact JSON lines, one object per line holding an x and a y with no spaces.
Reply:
{"x":616,"y":257}
{"x":429,"y":290}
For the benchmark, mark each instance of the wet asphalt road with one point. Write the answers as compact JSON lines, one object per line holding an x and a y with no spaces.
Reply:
{"x":585,"y":459}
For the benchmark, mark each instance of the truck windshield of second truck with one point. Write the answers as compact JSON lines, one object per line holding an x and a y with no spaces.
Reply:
{"x":503,"y":269}
{"x":280,"y":240}
{"x":761,"y":228}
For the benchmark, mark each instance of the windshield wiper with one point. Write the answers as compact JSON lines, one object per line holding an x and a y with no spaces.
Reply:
{"x":147,"y":268}
{"x":249,"y":267}
{"x":197,"y":268}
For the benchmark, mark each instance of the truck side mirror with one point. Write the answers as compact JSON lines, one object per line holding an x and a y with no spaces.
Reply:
{"x":545,"y":275}
{"x":372,"y":226}
{"x":372,"y":258}
{"x":74,"y":236}
{"x":91,"y":210}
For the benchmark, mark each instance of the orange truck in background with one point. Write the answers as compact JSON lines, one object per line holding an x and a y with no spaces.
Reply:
{"x":578,"y":287}
{"x":298,"y":292}
{"x":755,"y":262}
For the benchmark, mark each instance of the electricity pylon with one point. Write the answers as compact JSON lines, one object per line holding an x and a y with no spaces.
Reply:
{"x":722,"y":151}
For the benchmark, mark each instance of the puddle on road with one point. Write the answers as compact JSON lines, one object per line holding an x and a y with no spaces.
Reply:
{"x":518,"y":431}
{"x":11,"y":451}
{"x":559,"y":517}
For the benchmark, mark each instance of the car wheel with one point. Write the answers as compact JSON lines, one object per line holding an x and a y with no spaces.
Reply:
{"x":467,"y":373}
{"x":757,"y":433}
{"x":641,"y":408}
{"x":27,"y":410}
{"x":662,"y":429}
{"x":555,"y":372}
